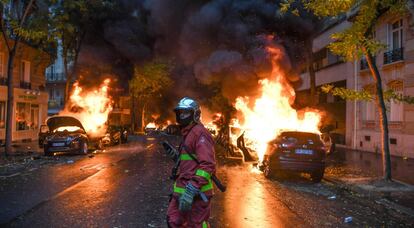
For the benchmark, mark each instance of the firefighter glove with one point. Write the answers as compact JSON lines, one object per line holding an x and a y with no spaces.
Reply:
{"x":186,"y":199}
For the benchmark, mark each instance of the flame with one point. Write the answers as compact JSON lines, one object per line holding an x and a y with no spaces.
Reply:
{"x":151,"y":125}
{"x":90,"y":107}
{"x":271,"y":112}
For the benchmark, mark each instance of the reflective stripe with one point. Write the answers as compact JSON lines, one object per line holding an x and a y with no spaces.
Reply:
{"x":178,"y":189}
{"x":203,"y":173}
{"x":186,"y":157}
{"x":205,"y":224}
{"x":205,"y":188}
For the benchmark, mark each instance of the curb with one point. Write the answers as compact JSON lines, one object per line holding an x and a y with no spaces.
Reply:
{"x":382,"y":201}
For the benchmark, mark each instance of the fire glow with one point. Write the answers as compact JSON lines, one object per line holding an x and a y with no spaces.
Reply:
{"x":90,"y":107}
{"x":271,"y":111}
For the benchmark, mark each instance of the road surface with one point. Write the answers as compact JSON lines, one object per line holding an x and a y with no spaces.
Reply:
{"x":128,"y":186}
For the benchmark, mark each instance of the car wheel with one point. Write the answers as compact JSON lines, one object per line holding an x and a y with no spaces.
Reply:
{"x":317,"y":176}
{"x":83,"y":148}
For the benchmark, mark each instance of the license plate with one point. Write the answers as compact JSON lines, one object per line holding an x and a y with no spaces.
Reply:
{"x":58,"y":144}
{"x":303,"y":151}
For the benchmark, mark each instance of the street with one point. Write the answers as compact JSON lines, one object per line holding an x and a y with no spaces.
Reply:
{"x":128,"y":186}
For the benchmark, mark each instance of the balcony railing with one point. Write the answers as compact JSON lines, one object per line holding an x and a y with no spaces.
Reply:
{"x":52,"y":77}
{"x":3,"y":81}
{"x":363,"y":64}
{"x":393,"y":55}
{"x":25,"y":85}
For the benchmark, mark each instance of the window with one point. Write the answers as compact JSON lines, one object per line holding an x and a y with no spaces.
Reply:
{"x":34,"y":116}
{"x":396,"y":35}
{"x":25,"y":71}
{"x":22,"y":116}
{"x":395,"y":110}
{"x":2,"y":114}
{"x":27,"y":116}
{"x":369,"y":111}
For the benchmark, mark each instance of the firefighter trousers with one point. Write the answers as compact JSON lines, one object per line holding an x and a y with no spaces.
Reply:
{"x":197,"y":217}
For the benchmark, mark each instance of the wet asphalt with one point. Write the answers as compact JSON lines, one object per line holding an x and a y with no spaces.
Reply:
{"x":128,"y":186}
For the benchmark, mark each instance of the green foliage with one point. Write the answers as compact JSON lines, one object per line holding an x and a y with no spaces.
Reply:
{"x":150,"y":79}
{"x":23,"y":21}
{"x":364,"y":95}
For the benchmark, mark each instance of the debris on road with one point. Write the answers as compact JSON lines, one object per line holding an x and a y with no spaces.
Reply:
{"x":70,"y":162}
{"x":348,"y":219}
{"x":332,"y":197}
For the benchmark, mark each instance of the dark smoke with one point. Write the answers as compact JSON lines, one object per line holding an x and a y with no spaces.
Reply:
{"x":217,"y":46}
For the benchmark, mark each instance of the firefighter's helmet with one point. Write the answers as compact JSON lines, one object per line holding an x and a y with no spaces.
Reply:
{"x":187,"y":110}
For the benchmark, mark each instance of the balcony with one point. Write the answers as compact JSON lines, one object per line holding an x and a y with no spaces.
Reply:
{"x":55,"y":77}
{"x":3,"y":81}
{"x":25,"y":85}
{"x":393,"y":56}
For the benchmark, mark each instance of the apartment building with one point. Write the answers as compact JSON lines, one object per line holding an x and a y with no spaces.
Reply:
{"x":358,"y":122}
{"x":55,"y":84}
{"x":30,"y":98}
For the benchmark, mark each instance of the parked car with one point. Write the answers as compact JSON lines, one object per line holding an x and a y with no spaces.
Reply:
{"x":296,"y":151}
{"x":66,"y":134}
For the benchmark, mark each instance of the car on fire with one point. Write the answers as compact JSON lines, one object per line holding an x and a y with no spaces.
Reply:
{"x":115,"y":135}
{"x":296,"y":151}
{"x":66,"y":134}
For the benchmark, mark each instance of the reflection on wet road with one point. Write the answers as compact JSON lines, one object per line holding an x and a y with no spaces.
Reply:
{"x":247,"y":203}
{"x":129,"y":186}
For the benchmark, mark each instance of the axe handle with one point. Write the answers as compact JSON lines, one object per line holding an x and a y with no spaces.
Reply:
{"x":219,"y":185}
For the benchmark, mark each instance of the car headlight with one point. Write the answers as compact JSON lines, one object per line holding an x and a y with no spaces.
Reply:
{"x":75,"y":144}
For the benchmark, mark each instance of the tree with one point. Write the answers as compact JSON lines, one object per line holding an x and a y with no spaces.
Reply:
{"x":358,"y":41}
{"x":19,"y":21}
{"x":148,"y":82}
{"x":71,"y":21}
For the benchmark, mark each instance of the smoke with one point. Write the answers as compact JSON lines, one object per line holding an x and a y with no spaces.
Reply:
{"x":217,"y":46}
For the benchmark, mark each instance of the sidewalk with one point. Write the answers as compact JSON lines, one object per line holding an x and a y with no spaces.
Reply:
{"x":370,"y":164}
{"x":361,"y":172}
{"x":24,"y":156}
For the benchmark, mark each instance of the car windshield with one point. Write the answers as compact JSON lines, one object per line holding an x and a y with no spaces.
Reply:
{"x":68,"y":129}
{"x":301,"y":137}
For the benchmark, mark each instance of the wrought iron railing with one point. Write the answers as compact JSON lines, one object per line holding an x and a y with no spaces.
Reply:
{"x":52,"y":77}
{"x":3,"y":81}
{"x":393,"y":55}
{"x":25,"y":85}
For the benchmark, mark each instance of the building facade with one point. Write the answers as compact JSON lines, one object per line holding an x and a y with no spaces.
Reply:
{"x":55,"y":84}
{"x":30,"y":98}
{"x":359,"y":121}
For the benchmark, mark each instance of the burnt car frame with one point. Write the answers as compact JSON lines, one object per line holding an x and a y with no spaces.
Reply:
{"x":66,"y":134}
{"x":115,"y":135}
{"x":298,"y":152}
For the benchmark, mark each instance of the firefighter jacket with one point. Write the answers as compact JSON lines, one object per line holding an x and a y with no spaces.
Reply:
{"x":199,"y":142}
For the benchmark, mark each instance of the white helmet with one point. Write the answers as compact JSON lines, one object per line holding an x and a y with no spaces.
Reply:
{"x":187,"y":110}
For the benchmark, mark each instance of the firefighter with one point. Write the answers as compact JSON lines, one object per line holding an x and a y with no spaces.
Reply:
{"x":193,"y":189}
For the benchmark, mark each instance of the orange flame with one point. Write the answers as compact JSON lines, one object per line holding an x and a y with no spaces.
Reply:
{"x":271,"y":112}
{"x":90,"y":107}
{"x":151,"y":125}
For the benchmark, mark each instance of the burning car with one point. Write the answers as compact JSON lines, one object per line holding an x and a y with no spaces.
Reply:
{"x":66,"y":134}
{"x":115,"y":135}
{"x":296,"y":151}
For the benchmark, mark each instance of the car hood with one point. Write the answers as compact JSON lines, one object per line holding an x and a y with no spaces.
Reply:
{"x":62,"y":121}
